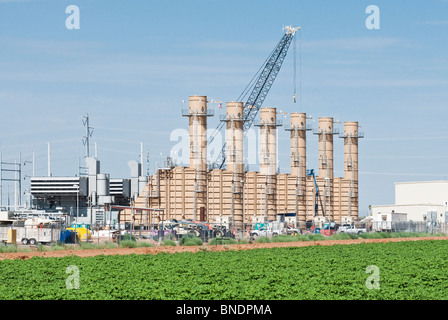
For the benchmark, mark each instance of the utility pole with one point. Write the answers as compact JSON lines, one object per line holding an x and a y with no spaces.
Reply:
{"x":16,"y":168}
{"x":49,"y":160}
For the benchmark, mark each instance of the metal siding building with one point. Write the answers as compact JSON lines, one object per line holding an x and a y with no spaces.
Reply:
{"x":417,"y":200}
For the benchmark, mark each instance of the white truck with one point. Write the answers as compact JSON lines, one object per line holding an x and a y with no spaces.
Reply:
{"x":266,"y":230}
{"x":290,"y":230}
{"x":352,"y":229}
{"x":390,"y":221}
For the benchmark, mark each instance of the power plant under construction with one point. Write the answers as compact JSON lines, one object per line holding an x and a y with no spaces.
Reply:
{"x":225,"y":192}
{"x":237,"y":197}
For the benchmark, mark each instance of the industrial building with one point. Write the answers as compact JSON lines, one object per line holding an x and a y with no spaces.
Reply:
{"x":238,"y":197}
{"x":86,"y":199}
{"x":422,"y":201}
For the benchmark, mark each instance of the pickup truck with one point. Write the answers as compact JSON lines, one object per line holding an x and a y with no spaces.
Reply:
{"x":264,"y":230}
{"x":292,"y":231}
{"x":347,"y":228}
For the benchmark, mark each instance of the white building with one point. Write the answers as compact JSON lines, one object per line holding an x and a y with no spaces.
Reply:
{"x":416,"y":201}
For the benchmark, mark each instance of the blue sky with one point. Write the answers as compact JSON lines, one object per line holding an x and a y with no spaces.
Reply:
{"x":132,"y":63}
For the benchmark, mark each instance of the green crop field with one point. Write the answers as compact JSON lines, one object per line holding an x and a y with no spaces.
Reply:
{"x":403,"y":270}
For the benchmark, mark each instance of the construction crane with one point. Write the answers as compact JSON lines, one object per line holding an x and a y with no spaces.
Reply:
{"x":317,"y":196}
{"x":258,"y":87}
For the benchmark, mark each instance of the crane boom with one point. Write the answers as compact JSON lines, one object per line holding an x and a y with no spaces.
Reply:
{"x":260,"y":89}
{"x":317,"y":195}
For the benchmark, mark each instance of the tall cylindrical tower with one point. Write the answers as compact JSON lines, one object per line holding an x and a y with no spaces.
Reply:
{"x":325,"y":133}
{"x":268,"y":159}
{"x":351,"y":136}
{"x":325,"y":147}
{"x":298,"y":144}
{"x":351,"y":150}
{"x":298,"y":130}
{"x":234,"y":159}
{"x":234,"y":137}
{"x":198,"y":113}
{"x":268,"y":141}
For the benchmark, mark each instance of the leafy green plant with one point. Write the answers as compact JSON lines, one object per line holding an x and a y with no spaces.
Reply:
{"x":409,"y":270}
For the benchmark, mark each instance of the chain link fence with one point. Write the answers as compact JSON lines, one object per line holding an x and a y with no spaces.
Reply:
{"x":158,"y":232}
{"x":408,"y":226}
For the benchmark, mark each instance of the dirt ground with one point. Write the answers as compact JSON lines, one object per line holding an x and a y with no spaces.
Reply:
{"x":172,"y":249}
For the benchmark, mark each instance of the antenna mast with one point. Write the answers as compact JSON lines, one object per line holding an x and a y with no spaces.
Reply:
{"x":89,"y":132}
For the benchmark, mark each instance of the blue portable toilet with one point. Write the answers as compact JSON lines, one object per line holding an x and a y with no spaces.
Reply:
{"x":68,"y":236}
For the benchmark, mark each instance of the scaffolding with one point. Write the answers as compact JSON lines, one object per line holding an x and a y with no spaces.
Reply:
{"x":268,"y":159}
{"x":234,"y":159}
{"x":352,"y":194}
{"x":326,"y":167}
{"x":298,"y":161}
{"x":198,"y":149}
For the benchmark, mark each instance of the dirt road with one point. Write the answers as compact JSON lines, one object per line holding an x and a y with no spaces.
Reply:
{"x":172,"y":249}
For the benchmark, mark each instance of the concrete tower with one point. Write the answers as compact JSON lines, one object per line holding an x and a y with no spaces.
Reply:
{"x":325,"y":133}
{"x":298,"y":130}
{"x":234,"y":137}
{"x":198,"y":113}
{"x":268,"y":141}
{"x":351,"y":136}
{"x":234,"y":158}
{"x":268,"y":161}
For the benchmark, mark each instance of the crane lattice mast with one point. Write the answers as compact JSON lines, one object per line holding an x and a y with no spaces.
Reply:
{"x":260,"y":89}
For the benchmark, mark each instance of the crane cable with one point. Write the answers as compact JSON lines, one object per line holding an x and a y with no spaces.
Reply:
{"x":300,"y":70}
{"x":294,"y":79}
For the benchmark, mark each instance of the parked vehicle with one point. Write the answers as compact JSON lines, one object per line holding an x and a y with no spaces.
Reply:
{"x":265,"y":230}
{"x":390,"y":221}
{"x":32,"y":236}
{"x":352,"y":229}
{"x":292,"y":231}
{"x":328,"y":229}
{"x":199,"y":229}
